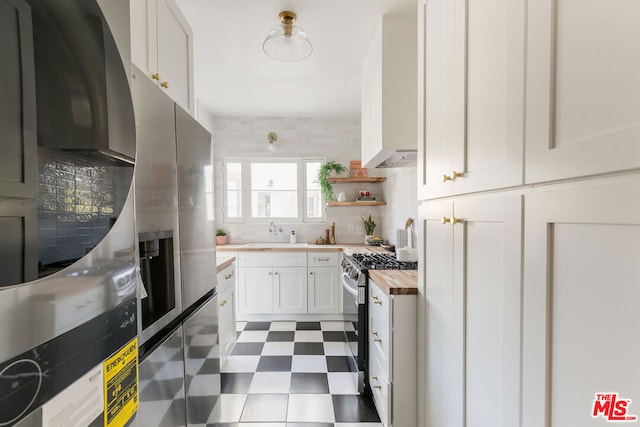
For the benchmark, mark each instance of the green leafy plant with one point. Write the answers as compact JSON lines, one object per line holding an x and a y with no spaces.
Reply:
{"x":369,"y":225}
{"x":323,"y":177}
{"x":220,"y":232}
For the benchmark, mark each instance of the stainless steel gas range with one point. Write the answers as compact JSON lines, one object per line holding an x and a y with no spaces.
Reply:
{"x":355,"y":281}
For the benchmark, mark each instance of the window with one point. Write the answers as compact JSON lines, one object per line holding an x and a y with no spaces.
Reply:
{"x":266,"y":189}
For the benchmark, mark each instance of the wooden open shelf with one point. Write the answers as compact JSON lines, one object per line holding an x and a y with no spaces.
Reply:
{"x":334,"y":203}
{"x":359,"y":179}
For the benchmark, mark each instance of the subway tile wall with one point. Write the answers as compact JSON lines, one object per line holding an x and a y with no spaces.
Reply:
{"x":401,"y":189}
{"x":331,"y":138}
{"x":78,"y":201}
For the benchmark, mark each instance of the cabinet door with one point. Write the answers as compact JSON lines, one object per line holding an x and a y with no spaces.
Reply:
{"x":19,"y":242}
{"x":227,"y":322}
{"x":255,"y":290}
{"x":441,"y":372}
{"x":487,"y":299}
{"x":324,"y":290}
{"x":581,"y":298}
{"x":162,"y":46}
{"x":583,"y":112}
{"x":473,"y":77}
{"x":472,"y":268}
{"x":18,"y":163}
{"x":175,"y":53}
{"x":436,"y":19}
{"x":143,"y":30}
{"x":290,"y":290}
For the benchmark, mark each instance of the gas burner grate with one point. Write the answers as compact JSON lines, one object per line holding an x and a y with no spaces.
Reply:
{"x":382,"y":262}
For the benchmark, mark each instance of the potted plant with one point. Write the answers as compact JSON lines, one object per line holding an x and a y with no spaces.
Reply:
{"x":369,"y":227}
{"x":221,"y":237}
{"x":324,"y":172}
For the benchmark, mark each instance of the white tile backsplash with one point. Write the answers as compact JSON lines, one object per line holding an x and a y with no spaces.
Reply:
{"x":401,"y":189}
{"x":332,"y":138}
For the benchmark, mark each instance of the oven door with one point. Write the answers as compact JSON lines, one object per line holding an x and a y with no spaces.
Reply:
{"x":355,"y":311}
{"x":350,"y":287}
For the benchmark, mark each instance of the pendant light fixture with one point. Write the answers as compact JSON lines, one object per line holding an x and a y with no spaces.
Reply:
{"x":287,"y":42}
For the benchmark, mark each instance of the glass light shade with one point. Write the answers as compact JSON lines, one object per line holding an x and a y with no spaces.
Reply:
{"x":288,"y":43}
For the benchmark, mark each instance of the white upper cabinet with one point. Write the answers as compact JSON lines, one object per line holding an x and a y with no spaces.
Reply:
{"x":471,"y":95}
{"x":389,"y":91}
{"x":583,"y":80}
{"x":162,"y":46}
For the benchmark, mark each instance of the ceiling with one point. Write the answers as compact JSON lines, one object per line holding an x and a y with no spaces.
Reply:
{"x":233,"y":77}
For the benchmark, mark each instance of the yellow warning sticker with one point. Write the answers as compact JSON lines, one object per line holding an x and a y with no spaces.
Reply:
{"x":121,"y":385}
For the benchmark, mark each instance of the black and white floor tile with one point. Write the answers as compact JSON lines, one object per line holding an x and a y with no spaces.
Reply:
{"x":279,"y":374}
{"x":292,"y":374}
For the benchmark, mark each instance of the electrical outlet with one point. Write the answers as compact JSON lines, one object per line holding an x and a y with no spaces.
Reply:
{"x":351,"y":227}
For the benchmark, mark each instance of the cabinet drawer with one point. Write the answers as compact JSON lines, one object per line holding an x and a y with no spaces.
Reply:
{"x":380,"y":388}
{"x":273,"y":259}
{"x":226,"y":278}
{"x":379,"y":305}
{"x":379,"y":338}
{"x":323,"y":259}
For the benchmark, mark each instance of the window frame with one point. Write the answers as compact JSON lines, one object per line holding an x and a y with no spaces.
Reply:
{"x":245,"y":188}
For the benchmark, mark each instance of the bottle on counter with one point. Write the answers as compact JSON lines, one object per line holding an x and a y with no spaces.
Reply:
{"x":293,"y":238}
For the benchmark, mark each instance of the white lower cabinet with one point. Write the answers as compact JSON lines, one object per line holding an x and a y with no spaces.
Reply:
{"x":289,"y":282}
{"x":273,"y":290}
{"x":393,"y":356}
{"x":324,"y":290}
{"x":226,"y":310}
{"x":290,"y":290}
{"x":272,"y":282}
{"x":255,"y":290}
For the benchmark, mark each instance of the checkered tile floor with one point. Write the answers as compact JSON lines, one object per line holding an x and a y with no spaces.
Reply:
{"x":293,"y":374}
{"x":279,"y":374}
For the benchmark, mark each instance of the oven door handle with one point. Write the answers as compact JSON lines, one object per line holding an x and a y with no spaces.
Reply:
{"x":346,"y":284}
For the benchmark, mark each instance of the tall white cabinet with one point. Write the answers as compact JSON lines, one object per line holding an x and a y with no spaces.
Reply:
{"x":162,"y":46}
{"x":528,"y":180}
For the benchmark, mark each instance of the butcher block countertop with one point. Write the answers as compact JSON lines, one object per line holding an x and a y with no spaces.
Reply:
{"x":223,"y":261}
{"x":396,"y":282}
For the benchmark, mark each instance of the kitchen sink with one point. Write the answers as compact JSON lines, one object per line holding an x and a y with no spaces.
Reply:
{"x":275,"y":245}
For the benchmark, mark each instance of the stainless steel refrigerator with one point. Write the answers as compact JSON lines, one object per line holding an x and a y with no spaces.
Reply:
{"x":180,"y":368}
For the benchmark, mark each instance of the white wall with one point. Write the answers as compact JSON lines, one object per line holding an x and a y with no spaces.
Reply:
{"x":331,"y":138}
{"x":400,"y":190}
